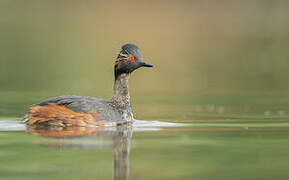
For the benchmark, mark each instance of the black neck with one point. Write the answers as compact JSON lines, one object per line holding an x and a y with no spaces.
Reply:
{"x":121,"y":91}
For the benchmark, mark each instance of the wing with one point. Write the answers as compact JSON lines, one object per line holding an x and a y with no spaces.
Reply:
{"x":75,"y":103}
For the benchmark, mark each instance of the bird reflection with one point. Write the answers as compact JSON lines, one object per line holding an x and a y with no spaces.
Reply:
{"x":119,"y":138}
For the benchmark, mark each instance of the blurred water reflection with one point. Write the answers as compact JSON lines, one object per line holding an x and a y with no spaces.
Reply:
{"x":118,"y":138}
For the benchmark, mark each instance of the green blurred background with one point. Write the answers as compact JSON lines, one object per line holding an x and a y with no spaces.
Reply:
{"x":224,"y":59}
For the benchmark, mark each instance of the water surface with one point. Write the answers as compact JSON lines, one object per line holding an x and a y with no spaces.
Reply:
{"x":148,"y":150}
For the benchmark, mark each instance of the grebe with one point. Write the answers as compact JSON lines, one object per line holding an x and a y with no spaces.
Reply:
{"x":67,"y":111}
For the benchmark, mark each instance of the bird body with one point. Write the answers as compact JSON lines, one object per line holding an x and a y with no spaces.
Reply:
{"x":83,"y":111}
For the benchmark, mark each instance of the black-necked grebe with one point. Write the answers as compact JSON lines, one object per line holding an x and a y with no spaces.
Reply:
{"x":88,"y":111}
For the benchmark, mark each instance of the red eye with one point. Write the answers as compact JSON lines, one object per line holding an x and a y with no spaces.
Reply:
{"x":132,"y":59}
